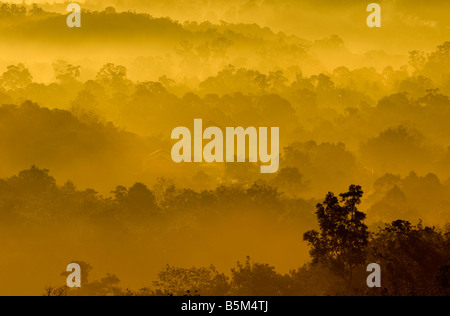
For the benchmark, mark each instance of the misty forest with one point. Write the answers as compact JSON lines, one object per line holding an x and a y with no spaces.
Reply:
{"x":86,"y":174}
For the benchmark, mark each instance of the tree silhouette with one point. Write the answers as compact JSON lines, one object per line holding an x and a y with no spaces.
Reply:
{"x":65,"y":72}
{"x":16,"y":77}
{"x":415,"y":258}
{"x":200,"y":281}
{"x":114,"y":77}
{"x":343,"y":235}
{"x":258,"y":280}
